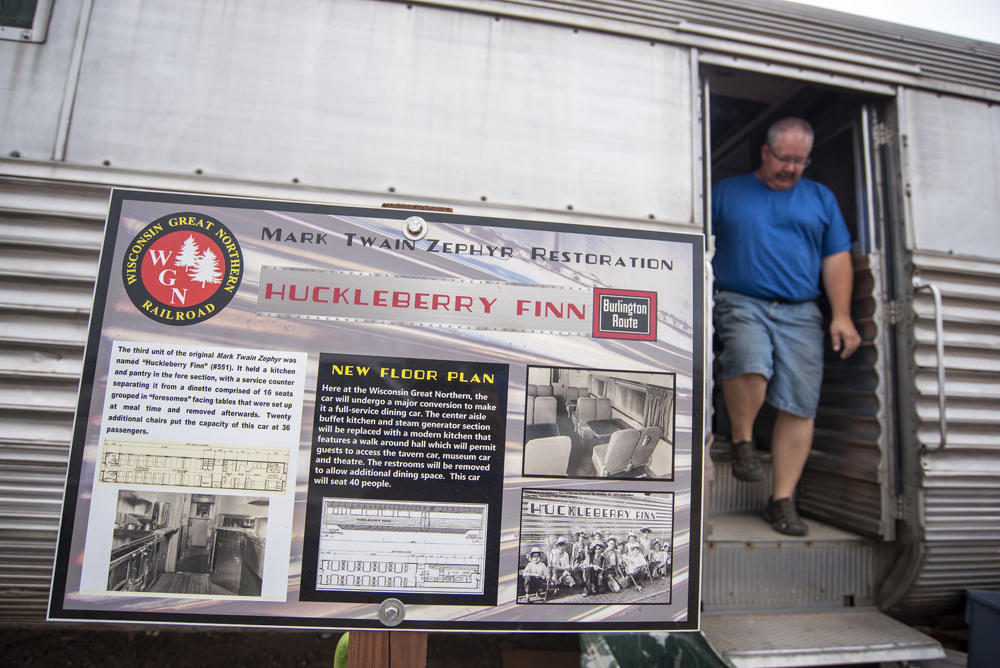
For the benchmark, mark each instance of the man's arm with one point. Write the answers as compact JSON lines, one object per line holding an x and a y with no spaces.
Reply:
{"x":838,"y":280}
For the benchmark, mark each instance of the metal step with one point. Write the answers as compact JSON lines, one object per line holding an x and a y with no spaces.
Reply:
{"x":748,"y":566}
{"x":726,"y":494}
{"x":815,"y":639}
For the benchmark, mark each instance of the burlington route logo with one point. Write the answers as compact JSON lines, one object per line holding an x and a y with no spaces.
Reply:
{"x":183,"y":268}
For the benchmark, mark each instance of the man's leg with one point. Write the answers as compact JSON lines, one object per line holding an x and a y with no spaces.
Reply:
{"x":744,"y":327}
{"x":795,"y":391}
{"x":744,"y":398}
{"x":790,"y":445}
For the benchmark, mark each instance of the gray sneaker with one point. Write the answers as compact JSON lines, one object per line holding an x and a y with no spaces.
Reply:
{"x":746,"y":463}
{"x":781,"y":515}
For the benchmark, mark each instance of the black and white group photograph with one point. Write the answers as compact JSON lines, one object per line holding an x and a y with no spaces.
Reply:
{"x":590,"y":423}
{"x":188,"y":544}
{"x":595,"y":548}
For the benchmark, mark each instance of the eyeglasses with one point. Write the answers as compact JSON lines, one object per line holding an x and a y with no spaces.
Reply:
{"x":785,"y":160}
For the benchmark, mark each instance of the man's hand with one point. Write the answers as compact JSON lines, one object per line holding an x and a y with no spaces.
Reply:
{"x":844,"y":336}
{"x":838,"y":279}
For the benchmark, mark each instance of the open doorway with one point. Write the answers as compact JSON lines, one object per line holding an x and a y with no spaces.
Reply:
{"x":744,"y":104}
{"x":846,"y":481}
{"x":196,"y":548}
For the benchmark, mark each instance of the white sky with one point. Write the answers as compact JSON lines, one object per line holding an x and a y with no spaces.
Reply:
{"x":978,"y":19}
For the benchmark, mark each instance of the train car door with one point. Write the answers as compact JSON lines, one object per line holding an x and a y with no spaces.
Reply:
{"x":775,"y":600}
{"x":849,"y":478}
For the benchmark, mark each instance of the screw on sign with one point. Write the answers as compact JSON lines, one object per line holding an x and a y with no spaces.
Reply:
{"x":415,"y":228}
{"x":391,"y":612}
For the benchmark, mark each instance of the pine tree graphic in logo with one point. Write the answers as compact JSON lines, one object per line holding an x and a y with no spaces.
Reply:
{"x":201,"y":266}
{"x":182,"y":269}
{"x":188,"y":255}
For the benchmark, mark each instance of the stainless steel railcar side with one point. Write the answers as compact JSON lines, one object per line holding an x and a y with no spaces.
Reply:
{"x":607,"y":113}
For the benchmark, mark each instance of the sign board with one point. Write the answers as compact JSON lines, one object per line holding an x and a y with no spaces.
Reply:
{"x":291,"y":413}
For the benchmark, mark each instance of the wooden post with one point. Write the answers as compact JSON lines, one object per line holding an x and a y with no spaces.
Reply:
{"x":407,"y":649}
{"x":368,"y":649}
{"x":387,"y":649}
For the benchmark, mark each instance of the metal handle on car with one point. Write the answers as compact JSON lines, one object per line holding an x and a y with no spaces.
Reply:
{"x":939,"y":344}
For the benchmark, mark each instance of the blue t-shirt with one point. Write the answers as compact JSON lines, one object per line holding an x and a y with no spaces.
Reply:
{"x":769,"y":243}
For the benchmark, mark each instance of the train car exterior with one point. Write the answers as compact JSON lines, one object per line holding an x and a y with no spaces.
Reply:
{"x":612,"y":114}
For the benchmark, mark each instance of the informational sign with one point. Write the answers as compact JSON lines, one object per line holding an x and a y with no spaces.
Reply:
{"x":292,"y":413}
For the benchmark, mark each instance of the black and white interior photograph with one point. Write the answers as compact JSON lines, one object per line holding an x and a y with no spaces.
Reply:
{"x":590,"y":423}
{"x":183,"y":543}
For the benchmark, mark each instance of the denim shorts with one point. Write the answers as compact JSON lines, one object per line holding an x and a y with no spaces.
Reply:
{"x":781,"y":341}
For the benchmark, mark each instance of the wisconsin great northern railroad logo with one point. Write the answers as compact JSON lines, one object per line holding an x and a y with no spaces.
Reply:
{"x":183,"y":268}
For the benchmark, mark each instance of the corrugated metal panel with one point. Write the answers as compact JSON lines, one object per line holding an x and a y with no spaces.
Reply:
{"x":944,"y":59}
{"x":959,"y":512}
{"x":800,"y":578}
{"x":845,"y":481}
{"x":48,"y":263}
{"x":970,"y":293}
{"x":962,"y":548}
{"x":749,"y":567}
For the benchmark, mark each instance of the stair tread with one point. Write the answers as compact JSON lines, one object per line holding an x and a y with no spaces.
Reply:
{"x":746,"y":527}
{"x":763,"y":640}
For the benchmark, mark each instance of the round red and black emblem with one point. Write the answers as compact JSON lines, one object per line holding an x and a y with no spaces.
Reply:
{"x":183,"y":268}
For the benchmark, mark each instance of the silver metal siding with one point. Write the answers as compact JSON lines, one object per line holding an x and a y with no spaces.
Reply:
{"x":33,"y":79}
{"x":44,"y":288}
{"x":942,"y":59}
{"x":959,"y":513}
{"x":378,"y":97}
{"x":48,"y":263}
{"x":953,"y":175}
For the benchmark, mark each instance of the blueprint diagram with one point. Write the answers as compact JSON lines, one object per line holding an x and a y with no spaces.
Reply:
{"x":401,"y":546}
{"x":193,"y":465}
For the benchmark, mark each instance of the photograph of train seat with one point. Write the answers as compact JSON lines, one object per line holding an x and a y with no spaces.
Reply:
{"x":591,"y":423}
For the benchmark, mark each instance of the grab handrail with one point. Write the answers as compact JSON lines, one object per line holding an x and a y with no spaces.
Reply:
{"x":939,"y":344}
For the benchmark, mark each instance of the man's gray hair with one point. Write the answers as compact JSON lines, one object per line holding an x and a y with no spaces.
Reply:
{"x":784,"y":125}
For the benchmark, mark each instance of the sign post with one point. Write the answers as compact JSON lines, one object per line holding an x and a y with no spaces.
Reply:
{"x":316,"y":416}
{"x":387,"y":649}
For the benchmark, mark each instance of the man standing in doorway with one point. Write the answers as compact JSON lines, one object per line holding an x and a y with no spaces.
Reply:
{"x":778,"y":237}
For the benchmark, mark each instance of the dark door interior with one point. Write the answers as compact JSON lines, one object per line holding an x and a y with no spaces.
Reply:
{"x":196,"y":550}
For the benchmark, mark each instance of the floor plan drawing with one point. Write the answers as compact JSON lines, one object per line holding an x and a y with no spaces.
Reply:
{"x":193,"y":466}
{"x":401,"y":546}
